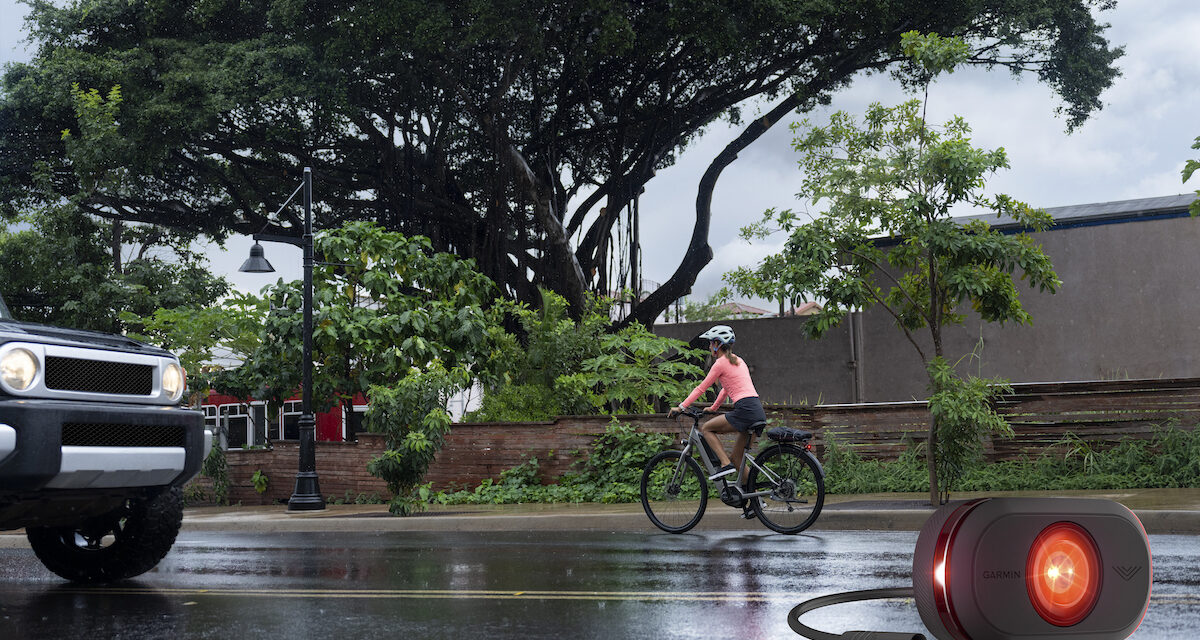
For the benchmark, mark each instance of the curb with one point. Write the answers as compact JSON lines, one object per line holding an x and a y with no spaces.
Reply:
{"x":1154,"y":521}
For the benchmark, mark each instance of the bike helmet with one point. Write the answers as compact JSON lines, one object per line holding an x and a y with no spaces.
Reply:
{"x":720,"y":333}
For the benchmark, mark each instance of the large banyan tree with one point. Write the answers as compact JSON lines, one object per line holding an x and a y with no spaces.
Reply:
{"x":518,"y":133}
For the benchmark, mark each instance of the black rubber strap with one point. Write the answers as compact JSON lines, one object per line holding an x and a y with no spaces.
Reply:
{"x":842,"y":598}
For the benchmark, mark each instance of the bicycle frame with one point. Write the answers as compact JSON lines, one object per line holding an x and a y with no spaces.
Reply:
{"x":696,"y":440}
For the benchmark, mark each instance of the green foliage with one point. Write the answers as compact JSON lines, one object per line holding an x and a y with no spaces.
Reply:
{"x":534,"y":376}
{"x":847,"y":472}
{"x":62,"y":264}
{"x":57,"y":267}
{"x":384,"y":303}
{"x":260,"y":481}
{"x":198,"y":334}
{"x":1188,"y":169}
{"x":569,"y":367}
{"x":216,"y":467}
{"x":887,"y":239}
{"x":962,"y":408}
{"x":709,"y":309}
{"x":928,"y":55}
{"x":636,"y":369}
{"x":194,"y":494}
{"x":611,"y":473}
{"x":1169,"y":459}
{"x":351,"y":498}
{"x":412,"y":415}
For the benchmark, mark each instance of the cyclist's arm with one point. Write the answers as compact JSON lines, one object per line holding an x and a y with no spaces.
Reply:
{"x":720,"y":398}
{"x":713,"y":374}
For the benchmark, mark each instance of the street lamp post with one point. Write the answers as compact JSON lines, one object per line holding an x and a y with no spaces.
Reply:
{"x":307,"y":494}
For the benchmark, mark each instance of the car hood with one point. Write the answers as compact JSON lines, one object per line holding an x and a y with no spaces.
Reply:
{"x":14,"y":331}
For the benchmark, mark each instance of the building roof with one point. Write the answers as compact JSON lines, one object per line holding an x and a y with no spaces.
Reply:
{"x":739,"y":308}
{"x":1083,"y":215}
{"x":1087,"y":215}
{"x":806,"y":309}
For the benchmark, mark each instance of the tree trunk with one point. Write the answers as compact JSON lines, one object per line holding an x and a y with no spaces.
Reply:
{"x":935,"y":493}
{"x":699,"y":253}
{"x":117,"y":227}
{"x":568,"y":274}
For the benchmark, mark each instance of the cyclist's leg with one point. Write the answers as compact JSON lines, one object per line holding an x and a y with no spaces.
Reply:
{"x":739,"y":452}
{"x":710,"y":430}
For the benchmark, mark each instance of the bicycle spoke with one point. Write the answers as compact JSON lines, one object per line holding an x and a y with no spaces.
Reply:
{"x":673,"y":491}
{"x":794,"y":490}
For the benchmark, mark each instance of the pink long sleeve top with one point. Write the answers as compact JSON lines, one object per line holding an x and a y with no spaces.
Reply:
{"x":734,"y":379}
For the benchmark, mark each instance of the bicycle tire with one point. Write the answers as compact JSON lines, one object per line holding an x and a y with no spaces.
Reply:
{"x":673,"y":507}
{"x":796,"y":502}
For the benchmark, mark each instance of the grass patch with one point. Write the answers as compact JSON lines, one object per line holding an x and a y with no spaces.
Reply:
{"x":1169,"y":459}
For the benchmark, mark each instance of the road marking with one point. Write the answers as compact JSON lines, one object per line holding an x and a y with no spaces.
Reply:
{"x":1183,"y":599}
{"x":416,"y":594}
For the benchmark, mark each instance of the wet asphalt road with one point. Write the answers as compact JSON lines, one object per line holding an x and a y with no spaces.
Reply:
{"x":511,"y":585}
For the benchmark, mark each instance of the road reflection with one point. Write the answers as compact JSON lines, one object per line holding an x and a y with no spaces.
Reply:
{"x":508,"y":585}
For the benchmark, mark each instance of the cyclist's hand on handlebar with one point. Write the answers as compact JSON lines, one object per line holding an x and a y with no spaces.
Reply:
{"x":674,"y":412}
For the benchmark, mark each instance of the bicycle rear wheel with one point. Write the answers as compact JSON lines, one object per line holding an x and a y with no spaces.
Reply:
{"x":797,"y":489}
{"x":674,"y":491}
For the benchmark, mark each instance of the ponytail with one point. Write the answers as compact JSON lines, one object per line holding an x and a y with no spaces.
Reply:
{"x":729,"y":354}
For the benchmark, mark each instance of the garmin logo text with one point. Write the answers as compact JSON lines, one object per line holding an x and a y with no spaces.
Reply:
{"x":1002,"y":575}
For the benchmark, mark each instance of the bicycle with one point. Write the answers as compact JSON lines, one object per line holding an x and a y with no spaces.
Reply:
{"x":784,"y":486}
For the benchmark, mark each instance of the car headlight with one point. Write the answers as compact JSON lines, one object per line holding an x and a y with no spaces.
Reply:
{"x":172,"y":381}
{"x":18,"y":369}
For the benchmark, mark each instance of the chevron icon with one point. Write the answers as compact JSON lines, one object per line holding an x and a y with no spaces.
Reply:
{"x":1127,"y":573}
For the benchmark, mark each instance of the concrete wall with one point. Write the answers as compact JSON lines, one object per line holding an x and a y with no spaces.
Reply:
{"x":1129,"y":308}
{"x":786,"y":367}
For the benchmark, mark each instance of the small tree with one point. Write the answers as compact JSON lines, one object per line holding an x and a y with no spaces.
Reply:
{"x":894,"y":176}
{"x":1188,"y":170}
{"x":383,"y":303}
{"x":412,"y":415}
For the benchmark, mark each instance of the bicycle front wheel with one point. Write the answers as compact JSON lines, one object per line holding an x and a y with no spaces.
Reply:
{"x":674,"y":491}
{"x":797,"y":490}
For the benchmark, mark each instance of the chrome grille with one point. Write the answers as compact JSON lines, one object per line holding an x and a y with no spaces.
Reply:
{"x":98,"y":376}
{"x":89,"y":434}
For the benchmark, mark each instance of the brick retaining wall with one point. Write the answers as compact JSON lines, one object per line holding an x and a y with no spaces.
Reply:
{"x":1101,"y":412}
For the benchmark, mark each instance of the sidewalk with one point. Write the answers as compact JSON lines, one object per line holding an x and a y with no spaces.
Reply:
{"x":1160,"y":510}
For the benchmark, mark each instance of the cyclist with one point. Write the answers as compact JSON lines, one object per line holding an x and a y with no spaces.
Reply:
{"x":734,"y":375}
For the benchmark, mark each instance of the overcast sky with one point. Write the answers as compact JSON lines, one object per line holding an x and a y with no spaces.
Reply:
{"x":1134,"y":148}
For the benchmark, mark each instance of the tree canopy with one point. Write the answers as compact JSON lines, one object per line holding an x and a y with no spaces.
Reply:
{"x":512,"y":132}
{"x":59,"y":267}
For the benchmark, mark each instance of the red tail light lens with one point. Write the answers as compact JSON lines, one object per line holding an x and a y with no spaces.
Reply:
{"x":1062,"y":574}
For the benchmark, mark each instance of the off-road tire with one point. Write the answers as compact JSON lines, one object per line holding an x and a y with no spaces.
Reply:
{"x":126,"y":542}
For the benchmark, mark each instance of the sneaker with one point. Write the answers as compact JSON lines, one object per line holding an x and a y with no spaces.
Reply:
{"x":722,"y":472}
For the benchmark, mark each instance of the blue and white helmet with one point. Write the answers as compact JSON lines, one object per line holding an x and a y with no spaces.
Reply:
{"x":720,"y":333}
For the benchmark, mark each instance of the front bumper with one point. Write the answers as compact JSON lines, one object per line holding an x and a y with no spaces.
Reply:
{"x":33,"y":456}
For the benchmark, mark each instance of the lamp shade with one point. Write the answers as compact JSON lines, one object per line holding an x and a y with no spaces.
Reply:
{"x":256,"y":263}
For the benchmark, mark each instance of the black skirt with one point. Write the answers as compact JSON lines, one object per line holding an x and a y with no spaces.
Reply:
{"x":746,"y":412}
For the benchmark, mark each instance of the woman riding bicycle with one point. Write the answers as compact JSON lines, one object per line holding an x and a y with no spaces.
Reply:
{"x":734,"y":375}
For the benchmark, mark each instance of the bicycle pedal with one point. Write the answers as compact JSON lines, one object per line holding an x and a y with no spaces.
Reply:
{"x":749,"y":515}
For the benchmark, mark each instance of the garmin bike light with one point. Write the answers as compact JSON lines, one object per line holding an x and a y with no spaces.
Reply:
{"x":1027,"y":568}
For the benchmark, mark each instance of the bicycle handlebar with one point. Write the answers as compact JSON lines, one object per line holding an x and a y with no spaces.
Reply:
{"x":693,"y":412}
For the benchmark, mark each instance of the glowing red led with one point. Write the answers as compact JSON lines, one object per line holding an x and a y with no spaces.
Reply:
{"x":1062,"y":574}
